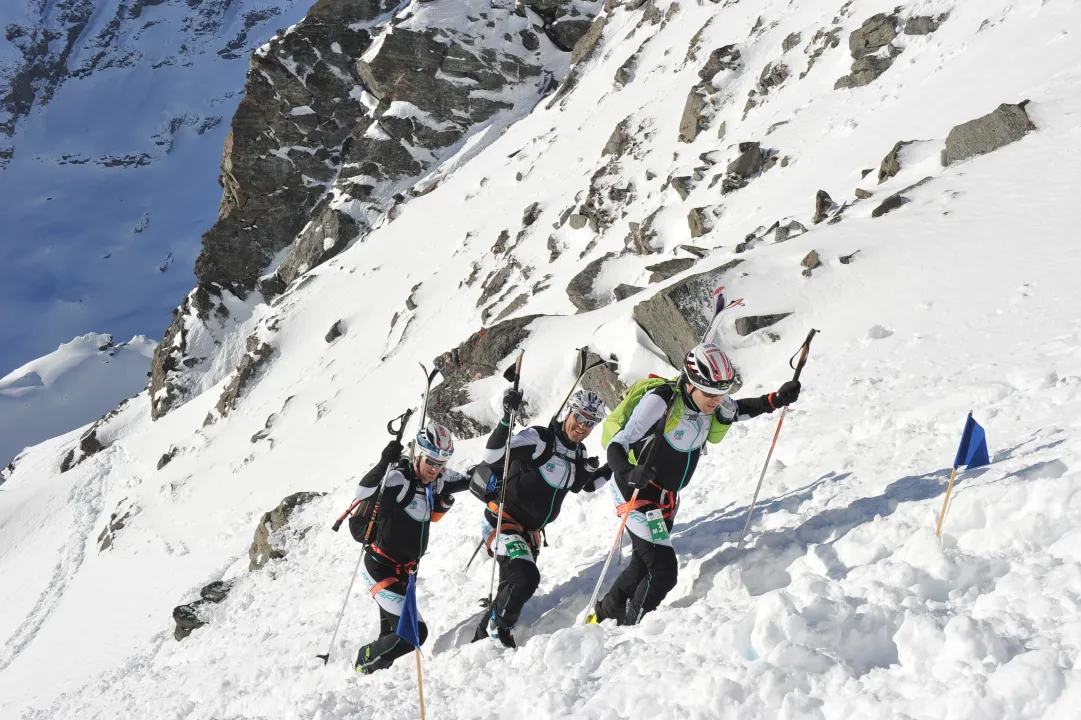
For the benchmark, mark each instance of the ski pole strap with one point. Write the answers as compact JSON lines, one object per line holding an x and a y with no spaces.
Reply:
{"x":804,"y":349}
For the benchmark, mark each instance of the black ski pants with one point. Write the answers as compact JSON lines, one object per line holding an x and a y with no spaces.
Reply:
{"x":389,"y":647}
{"x":647,"y":579}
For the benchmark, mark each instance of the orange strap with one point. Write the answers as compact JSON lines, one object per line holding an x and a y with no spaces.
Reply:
{"x":512,"y":526}
{"x":409,"y":567}
{"x":666,"y":508}
{"x":624,"y":508}
{"x":383,"y":585}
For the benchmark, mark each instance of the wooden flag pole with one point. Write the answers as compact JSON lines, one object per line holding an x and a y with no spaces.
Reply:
{"x":942,"y":515}
{"x":420,"y":683}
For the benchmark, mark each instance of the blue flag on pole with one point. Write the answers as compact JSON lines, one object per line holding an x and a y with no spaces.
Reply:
{"x":408,"y":622}
{"x":973,"y":449}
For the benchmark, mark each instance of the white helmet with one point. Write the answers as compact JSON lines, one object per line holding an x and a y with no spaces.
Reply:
{"x":588,"y":404}
{"x":434,"y":441}
{"x":709,"y":370}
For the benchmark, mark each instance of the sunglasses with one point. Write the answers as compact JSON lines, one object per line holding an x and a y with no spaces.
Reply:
{"x":434,"y":463}
{"x":585,"y":420}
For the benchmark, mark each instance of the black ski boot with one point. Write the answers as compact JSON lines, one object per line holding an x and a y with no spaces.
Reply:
{"x":366,"y":664}
{"x":492,"y":627}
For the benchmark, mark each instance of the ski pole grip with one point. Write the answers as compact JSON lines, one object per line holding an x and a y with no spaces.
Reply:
{"x":338,"y":523}
{"x":404,"y":418}
{"x":803,"y":351}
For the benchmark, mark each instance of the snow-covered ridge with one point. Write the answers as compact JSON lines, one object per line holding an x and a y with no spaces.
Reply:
{"x":844,"y":603}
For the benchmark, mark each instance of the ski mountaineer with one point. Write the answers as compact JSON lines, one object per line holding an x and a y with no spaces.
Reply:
{"x":701,"y":411}
{"x":546,"y":463}
{"x":416,"y":492}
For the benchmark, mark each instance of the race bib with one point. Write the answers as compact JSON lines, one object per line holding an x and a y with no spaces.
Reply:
{"x":517,"y":549}
{"x":657,"y":527}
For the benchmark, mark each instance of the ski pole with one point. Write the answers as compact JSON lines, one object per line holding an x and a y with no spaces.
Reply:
{"x":503,"y":491}
{"x":326,"y":658}
{"x":802,"y":352}
{"x":474,"y":555}
{"x":397,"y":432}
{"x":630,"y":503}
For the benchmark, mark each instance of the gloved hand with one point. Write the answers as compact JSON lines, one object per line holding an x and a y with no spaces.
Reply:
{"x":591,"y":464}
{"x":726,"y":411}
{"x":785,"y":395}
{"x":640,"y":476}
{"x":603,"y":471}
{"x":391,"y":452}
{"x":512,"y":401}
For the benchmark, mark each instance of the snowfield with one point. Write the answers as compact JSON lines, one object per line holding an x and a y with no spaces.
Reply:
{"x":843,"y":604}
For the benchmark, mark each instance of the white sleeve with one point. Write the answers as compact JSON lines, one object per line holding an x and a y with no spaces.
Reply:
{"x":393,"y":479}
{"x":646,"y":413}
{"x":528,"y":436}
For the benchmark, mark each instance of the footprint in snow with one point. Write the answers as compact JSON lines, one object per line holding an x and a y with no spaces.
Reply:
{"x":878,"y":333}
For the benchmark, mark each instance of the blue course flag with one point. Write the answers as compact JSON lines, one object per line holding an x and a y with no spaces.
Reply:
{"x":408,"y":627}
{"x":973,"y":449}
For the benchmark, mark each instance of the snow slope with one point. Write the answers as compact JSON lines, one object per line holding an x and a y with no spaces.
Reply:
{"x":844,"y":603}
{"x":81,"y":380}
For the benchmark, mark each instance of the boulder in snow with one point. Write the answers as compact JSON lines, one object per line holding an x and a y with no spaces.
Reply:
{"x":1004,"y":125}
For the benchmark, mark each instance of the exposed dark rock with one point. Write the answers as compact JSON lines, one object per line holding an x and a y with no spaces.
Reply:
{"x":823,"y":206}
{"x":258,"y":354}
{"x":847,"y":259}
{"x":476,"y":358}
{"x":772,"y":76}
{"x":877,"y":32}
{"x":691,"y":122}
{"x":624,"y":291}
{"x":324,"y":237}
{"x":862,"y":194}
{"x":497,"y":281}
{"x":822,"y":41}
{"x":924,"y":24}
{"x":889,"y":204}
{"x":500,"y":245}
{"x":580,"y":288}
{"x":529,"y":40}
{"x":216,"y":591}
{"x":586,"y":40}
{"x":514,"y":306}
{"x":1006,"y":124}
{"x":640,"y":237}
{"x":193,"y":616}
{"x":682,"y":185}
{"x":696,"y":251}
{"x":791,"y":41}
{"x":723,"y":58}
{"x":864,"y":71}
{"x":604,"y":381}
{"x":619,"y":141}
{"x":791,"y":230}
{"x":267,"y":543}
{"x":669,"y":268}
{"x":676,"y":317}
{"x":810,"y":262}
{"x":698,"y":222}
{"x":749,"y":162}
{"x":529,"y":215}
{"x":577,"y":221}
{"x":88,"y":445}
{"x":750,"y":323}
{"x":115,"y":524}
{"x":891,"y":164}
{"x":722,"y":130}
{"x":167,"y":457}
{"x":335,"y":331}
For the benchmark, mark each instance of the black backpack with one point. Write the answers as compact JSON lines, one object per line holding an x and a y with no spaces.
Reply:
{"x":362,"y":517}
{"x":484,"y":480}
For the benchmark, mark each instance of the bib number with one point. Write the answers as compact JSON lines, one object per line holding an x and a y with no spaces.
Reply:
{"x":517,"y":549}
{"x":658,"y":530}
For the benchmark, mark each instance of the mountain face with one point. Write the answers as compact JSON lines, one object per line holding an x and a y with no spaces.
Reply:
{"x":406,"y":185}
{"x":346,"y":116}
{"x":112,"y":118}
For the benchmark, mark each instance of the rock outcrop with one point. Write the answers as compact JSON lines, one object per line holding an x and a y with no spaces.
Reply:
{"x":676,"y":317}
{"x":476,"y":358}
{"x":1004,"y":125}
{"x":331,"y":138}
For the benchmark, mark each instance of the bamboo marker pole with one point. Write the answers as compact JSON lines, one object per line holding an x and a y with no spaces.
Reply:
{"x":946,"y":500}
{"x":420,"y":683}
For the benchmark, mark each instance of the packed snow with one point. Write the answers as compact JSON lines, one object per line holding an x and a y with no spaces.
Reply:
{"x":842,"y":604}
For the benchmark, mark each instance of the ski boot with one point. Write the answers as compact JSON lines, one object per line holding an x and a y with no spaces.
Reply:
{"x":366,"y":664}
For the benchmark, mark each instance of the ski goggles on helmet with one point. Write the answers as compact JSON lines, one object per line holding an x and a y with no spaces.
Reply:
{"x":432,"y":462}
{"x":585,"y":420}
{"x":720,"y":388}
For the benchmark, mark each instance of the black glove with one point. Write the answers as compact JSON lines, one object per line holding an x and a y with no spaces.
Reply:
{"x":785,"y":395}
{"x":640,"y":476}
{"x":512,"y":401}
{"x":604,"y":471}
{"x":391,"y":452}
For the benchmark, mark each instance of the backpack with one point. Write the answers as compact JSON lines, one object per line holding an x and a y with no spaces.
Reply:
{"x":484,"y":480}
{"x":619,"y":417}
{"x":359,"y":520}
